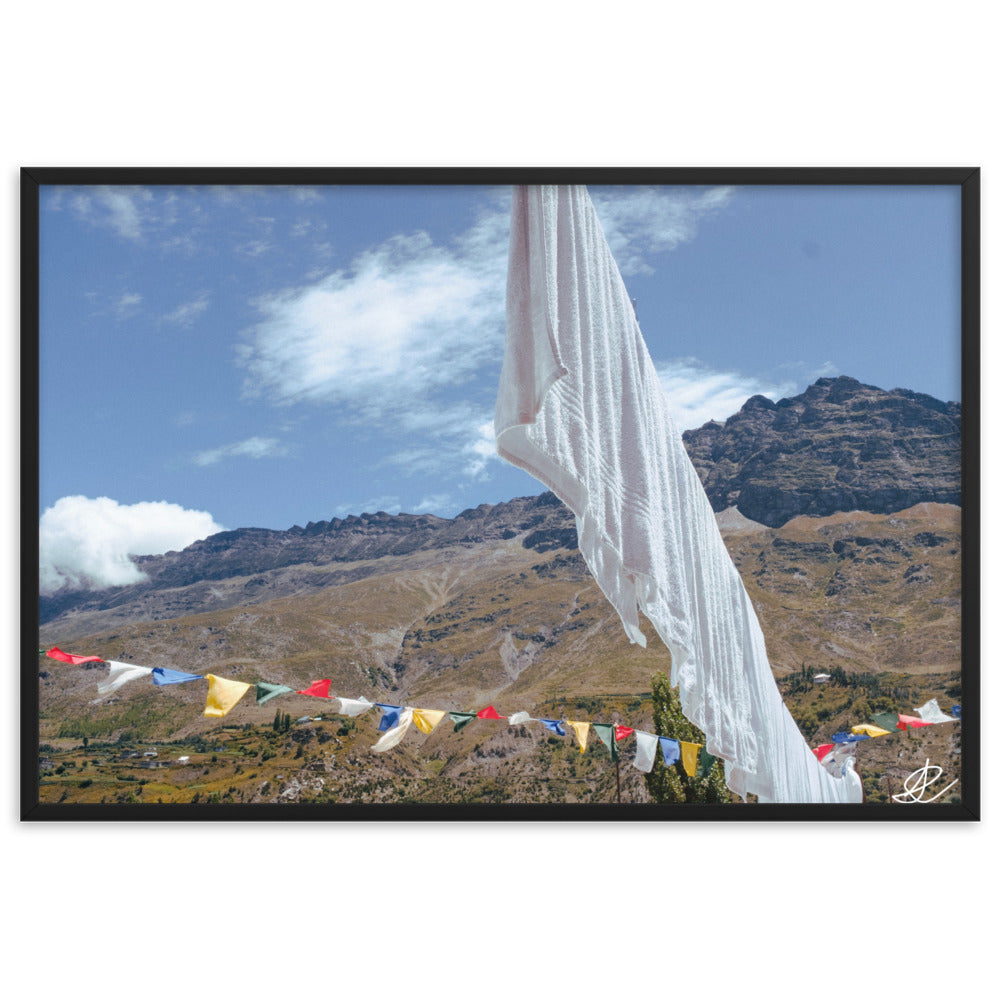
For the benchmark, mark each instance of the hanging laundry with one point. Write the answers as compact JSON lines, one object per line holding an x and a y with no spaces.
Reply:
{"x":121,"y":673}
{"x":866,"y":729}
{"x":519,"y":718}
{"x":606,"y":734}
{"x":582,"y":730}
{"x":489,"y":713}
{"x":265,"y":692}
{"x":350,"y":706}
{"x":689,"y":757}
{"x":390,"y":716}
{"x":581,"y":408}
{"x":671,"y":750}
{"x":164,"y":675}
{"x":930,"y":711}
{"x":223,"y":694}
{"x":554,"y":725}
{"x":398,"y":731}
{"x":425,"y":719}
{"x":623,"y":732}
{"x":461,"y":719}
{"x":645,"y":750}
{"x":57,"y":654}
{"x":317,"y":689}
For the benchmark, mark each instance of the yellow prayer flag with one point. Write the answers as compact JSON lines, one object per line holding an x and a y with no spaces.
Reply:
{"x":223,"y":695}
{"x":868,"y":730}
{"x":689,"y":757}
{"x":425,"y":719}
{"x":582,"y":730}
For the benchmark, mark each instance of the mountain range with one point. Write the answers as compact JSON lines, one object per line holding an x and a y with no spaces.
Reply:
{"x":840,"y":508}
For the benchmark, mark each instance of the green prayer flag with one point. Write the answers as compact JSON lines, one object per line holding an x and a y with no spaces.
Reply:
{"x":705,"y":762}
{"x":265,"y":692}
{"x":887,"y":720}
{"x":606,"y":734}
{"x":461,"y":719}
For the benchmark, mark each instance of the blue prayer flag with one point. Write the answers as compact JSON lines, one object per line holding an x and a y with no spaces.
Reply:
{"x":164,"y":675}
{"x":956,"y":710}
{"x":671,"y":750}
{"x":390,"y":716}
{"x":555,"y":726}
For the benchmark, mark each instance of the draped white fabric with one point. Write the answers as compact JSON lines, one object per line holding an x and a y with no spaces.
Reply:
{"x":391,"y":737}
{"x":351,"y":706}
{"x":121,"y":673}
{"x":645,"y":750}
{"x":581,"y":408}
{"x":930,"y":711}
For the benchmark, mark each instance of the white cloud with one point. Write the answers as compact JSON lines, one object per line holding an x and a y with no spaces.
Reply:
{"x":696,"y":393}
{"x":254,"y":447}
{"x":434,"y":504}
{"x":481,"y":450}
{"x":643,"y":220}
{"x":187,"y":312}
{"x":85,"y":543}
{"x":127,"y":304}
{"x":389,"y":504}
{"x":122,"y":209}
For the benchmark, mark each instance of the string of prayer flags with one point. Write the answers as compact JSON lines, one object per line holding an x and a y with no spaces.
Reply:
{"x":164,"y":675}
{"x":121,"y":673}
{"x":582,"y":730}
{"x":645,"y":750}
{"x":461,"y":719}
{"x":489,"y":713}
{"x":911,"y":722}
{"x":606,"y":734}
{"x":554,"y":725}
{"x":57,"y":654}
{"x":518,"y":718}
{"x":223,"y":694}
{"x":425,"y":719}
{"x":265,"y":692}
{"x":392,"y":736}
{"x":317,"y":689}
{"x":390,"y":716}
{"x":351,"y":706}
{"x":869,"y":730}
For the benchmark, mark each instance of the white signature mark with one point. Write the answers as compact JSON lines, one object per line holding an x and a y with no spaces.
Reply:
{"x":920,"y":781}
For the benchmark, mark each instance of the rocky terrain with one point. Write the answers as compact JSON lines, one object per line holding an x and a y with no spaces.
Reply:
{"x":496,"y":606}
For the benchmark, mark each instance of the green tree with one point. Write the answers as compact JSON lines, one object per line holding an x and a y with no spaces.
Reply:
{"x":673,"y":784}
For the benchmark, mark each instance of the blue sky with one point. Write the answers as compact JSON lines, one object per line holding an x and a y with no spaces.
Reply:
{"x":231,"y":357}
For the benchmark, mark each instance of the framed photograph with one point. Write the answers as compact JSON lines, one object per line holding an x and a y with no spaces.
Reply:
{"x":452,"y":494}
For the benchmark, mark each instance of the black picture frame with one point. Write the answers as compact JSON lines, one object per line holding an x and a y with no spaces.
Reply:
{"x":967,"y":179}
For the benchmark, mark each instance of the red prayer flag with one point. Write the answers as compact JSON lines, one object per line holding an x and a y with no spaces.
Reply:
{"x":490,"y":713}
{"x":911,"y":722}
{"x":57,"y":654}
{"x":622,"y":732}
{"x":822,"y":751}
{"x":318,"y":689}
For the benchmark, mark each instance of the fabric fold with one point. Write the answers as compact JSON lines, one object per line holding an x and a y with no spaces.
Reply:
{"x":554,"y":725}
{"x":317,"y":689}
{"x":350,"y":706}
{"x":581,"y":408}
{"x":869,"y":730}
{"x":164,"y":675}
{"x":519,"y":718}
{"x":645,"y":750}
{"x":390,"y":716}
{"x":582,"y":730}
{"x":57,"y":654}
{"x":265,"y":691}
{"x":461,"y":719}
{"x":121,"y":673}
{"x":489,"y":713}
{"x":223,"y":694}
{"x":425,"y":719}
{"x":396,"y":733}
{"x":606,"y":734}
{"x":930,"y":711}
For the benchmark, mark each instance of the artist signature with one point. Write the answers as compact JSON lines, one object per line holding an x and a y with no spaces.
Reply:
{"x":919,"y":782}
